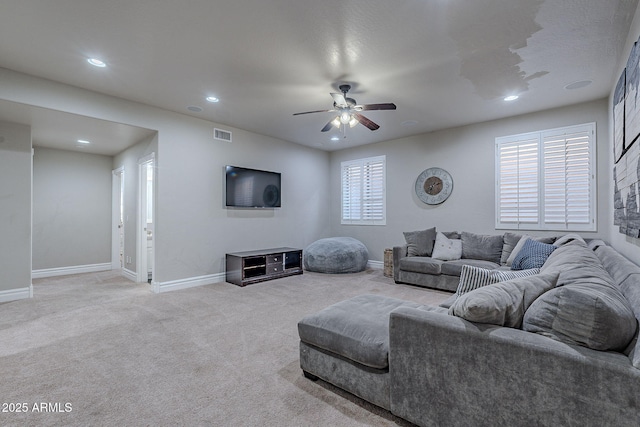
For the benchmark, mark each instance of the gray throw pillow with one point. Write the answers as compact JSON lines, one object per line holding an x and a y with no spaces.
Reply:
{"x":472,"y":277}
{"x":593,"y":315}
{"x":481,"y":246}
{"x":510,"y":240}
{"x":503,"y":303}
{"x":420,"y":243}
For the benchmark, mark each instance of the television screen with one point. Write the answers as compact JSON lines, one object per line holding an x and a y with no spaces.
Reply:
{"x":252,"y":188}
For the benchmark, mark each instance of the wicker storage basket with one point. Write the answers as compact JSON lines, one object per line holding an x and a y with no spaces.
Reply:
{"x":388,"y":262}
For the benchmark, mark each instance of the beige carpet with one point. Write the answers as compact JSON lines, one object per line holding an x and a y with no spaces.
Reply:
{"x":99,"y":350}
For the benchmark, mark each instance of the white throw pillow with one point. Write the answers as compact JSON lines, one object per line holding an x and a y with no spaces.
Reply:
{"x":446,"y":249}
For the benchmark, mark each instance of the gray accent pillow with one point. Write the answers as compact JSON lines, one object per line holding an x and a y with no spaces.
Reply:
{"x":503,"y":303}
{"x":472,"y":278}
{"x":593,"y":315}
{"x":451,"y":234}
{"x":446,"y":249}
{"x":420,"y":243}
{"x":482,"y":246}
{"x":510,"y":240}
{"x":563,"y":240}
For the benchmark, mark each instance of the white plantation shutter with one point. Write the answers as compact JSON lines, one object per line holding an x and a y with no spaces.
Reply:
{"x":518,"y":194}
{"x":567,"y":177}
{"x":363,"y":191}
{"x":546,"y":180}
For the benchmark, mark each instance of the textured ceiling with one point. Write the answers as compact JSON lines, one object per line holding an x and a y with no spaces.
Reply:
{"x":444,"y":63}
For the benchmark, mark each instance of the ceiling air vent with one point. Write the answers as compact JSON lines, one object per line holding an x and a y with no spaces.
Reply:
{"x":221,"y":135}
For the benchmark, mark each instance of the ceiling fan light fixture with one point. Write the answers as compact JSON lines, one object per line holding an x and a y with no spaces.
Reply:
{"x":353,"y":121}
{"x":345,"y":117}
{"x":336,"y":122}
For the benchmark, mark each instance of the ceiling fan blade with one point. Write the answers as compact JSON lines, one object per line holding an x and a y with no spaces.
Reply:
{"x":328,"y":126}
{"x":339,"y":100}
{"x":368,"y":123}
{"x":369,"y":107}
{"x":316,"y":111}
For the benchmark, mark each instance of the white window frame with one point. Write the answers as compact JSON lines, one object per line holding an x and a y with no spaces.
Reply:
{"x":363,"y":191}
{"x":541,"y":175}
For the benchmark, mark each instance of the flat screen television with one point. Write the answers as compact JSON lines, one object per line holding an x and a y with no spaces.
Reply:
{"x":252,"y":188}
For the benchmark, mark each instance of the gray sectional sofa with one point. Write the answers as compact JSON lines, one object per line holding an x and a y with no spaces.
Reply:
{"x":569,"y":354}
{"x":413,"y":262}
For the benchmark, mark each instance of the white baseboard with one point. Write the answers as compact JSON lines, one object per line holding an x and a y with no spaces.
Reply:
{"x":131,"y":275}
{"x":375,"y":264}
{"x":191,"y":282}
{"x":64,"y":271}
{"x":16,"y":294}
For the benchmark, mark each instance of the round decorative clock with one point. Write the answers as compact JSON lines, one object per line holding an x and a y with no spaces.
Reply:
{"x":434,"y":186}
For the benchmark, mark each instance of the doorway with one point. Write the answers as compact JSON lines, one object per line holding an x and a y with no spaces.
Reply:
{"x":117,"y":220}
{"x":146,"y":231}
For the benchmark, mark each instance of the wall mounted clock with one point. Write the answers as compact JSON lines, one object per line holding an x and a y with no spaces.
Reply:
{"x":434,"y":186}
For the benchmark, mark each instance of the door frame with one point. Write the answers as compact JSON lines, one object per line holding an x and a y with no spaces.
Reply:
{"x":117,"y":203}
{"x":141,"y":241}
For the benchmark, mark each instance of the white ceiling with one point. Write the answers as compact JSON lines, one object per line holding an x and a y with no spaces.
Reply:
{"x":444,"y":63}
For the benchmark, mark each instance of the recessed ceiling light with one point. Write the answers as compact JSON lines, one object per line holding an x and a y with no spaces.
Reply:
{"x":194,"y":108}
{"x":335,"y":138}
{"x":97,"y":62}
{"x":84,"y":141}
{"x":578,"y":84}
{"x":212,"y":99}
{"x":511,"y":97}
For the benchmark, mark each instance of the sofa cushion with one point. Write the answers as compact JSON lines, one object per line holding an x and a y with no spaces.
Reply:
{"x":532,"y":255}
{"x":503,"y":303}
{"x":567,"y":238}
{"x":454,"y":268}
{"x":421,"y":265}
{"x":472,"y":277}
{"x":357,"y":328}
{"x":626,"y":275}
{"x":420,"y":243}
{"x":572,"y":255}
{"x":481,"y":246}
{"x":446,"y":249}
{"x":586,"y":313}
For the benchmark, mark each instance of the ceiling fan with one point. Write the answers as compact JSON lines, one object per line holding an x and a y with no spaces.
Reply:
{"x":349,"y":111}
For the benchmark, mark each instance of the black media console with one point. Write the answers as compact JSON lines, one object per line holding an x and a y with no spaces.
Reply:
{"x":244,"y":268}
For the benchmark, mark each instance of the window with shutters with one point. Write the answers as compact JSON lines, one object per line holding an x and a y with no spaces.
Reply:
{"x":363,"y":191}
{"x":546,"y":180}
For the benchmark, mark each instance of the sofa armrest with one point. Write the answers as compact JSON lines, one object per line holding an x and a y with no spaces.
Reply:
{"x":398,"y":253}
{"x":447,"y":371}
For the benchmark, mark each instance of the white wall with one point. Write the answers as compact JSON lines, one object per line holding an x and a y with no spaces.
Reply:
{"x":71,"y":209}
{"x":15,"y":211}
{"x":468,"y":154}
{"x":193,"y":229}
{"x":628,"y":246}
